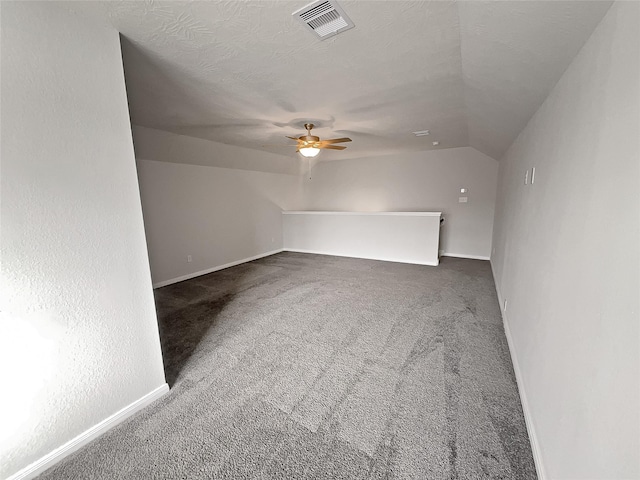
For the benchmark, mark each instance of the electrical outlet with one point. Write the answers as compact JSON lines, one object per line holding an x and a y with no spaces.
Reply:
{"x":189,"y":258}
{"x":462,"y":199}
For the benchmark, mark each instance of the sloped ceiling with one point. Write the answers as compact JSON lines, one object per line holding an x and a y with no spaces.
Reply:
{"x":246,"y":73}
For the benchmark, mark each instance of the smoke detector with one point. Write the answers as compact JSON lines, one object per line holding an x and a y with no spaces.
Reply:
{"x":325,"y":18}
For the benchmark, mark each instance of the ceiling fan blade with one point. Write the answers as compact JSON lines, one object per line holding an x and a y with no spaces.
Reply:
{"x":292,"y":138}
{"x":336,"y":140}
{"x":333,"y":147}
{"x":277,"y":145}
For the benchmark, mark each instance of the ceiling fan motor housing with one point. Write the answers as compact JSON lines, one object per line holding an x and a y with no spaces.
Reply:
{"x":308,"y":138}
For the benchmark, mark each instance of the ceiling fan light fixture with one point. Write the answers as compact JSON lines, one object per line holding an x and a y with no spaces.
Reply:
{"x":309,"y":146}
{"x":309,"y":152}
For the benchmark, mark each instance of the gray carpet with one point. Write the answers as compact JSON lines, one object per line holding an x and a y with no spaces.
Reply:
{"x":305,"y":366}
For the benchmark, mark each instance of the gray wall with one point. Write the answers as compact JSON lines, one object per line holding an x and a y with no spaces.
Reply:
{"x":428,"y":181}
{"x":567,"y":259}
{"x":78,"y":331}
{"x":214,"y":214}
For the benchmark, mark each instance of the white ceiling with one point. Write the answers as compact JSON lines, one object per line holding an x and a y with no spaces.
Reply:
{"x":247,"y":73}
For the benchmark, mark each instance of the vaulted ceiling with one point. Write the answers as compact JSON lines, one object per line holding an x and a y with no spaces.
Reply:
{"x":247,"y":73}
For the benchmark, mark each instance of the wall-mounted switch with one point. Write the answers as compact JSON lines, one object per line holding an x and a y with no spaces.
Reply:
{"x":526,"y":177}
{"x":189,"y":258}
{"x":505,"y":306}
{"x":462,"y":199}
{"x":533,"y":175}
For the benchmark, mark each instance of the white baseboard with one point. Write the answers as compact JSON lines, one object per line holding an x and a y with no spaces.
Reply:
{"x":315,"y":252}
{"x":164,"y":283}
{"x":50,"y":459}
{"x":462,"y":255}
{"x":528,"y":419}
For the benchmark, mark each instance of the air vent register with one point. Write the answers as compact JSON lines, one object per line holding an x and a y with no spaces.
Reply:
{"x":324,"y":18}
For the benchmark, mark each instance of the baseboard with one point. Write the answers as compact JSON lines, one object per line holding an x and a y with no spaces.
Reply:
{"x":87,"y":436}
{"x":315,"y":252}
{"x":214,"y":269}
{"x":462,"y":255}
{"x":495,"y":283}
{"x":528,"y":419}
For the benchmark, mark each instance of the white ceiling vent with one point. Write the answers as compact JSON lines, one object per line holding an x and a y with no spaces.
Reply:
{"x":325,"y":18}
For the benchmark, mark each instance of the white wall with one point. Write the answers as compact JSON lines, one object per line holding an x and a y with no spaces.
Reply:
{"x":427,"y":181}
{"x":79,"y":338}
{"x":216,"y":215}
{"x":152,"y":144}
{"x":409,"y":237}
{"x":567,"y":259}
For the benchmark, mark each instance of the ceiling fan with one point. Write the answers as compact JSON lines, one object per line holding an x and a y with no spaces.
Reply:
{"x":309,"y":145}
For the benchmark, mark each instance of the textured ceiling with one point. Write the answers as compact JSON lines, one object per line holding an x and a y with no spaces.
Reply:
{"x":246,"y":73}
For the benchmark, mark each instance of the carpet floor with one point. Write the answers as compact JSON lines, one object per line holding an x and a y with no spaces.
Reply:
{"x":320,"y":367}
